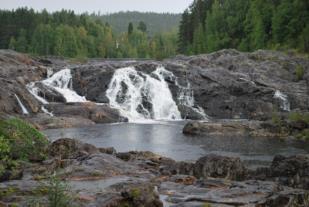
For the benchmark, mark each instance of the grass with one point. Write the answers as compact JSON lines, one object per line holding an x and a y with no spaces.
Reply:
{"x":19,"y":142}
{"x":23,"y":139}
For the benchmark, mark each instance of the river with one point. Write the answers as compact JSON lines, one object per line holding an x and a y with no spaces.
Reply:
{"x":167,"y":139}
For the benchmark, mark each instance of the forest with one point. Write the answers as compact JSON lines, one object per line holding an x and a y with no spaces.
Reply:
{"x":156,"y":22}
{"x":211,"y":25}
{"x":67,"y":34}
{"x":206,"y":26}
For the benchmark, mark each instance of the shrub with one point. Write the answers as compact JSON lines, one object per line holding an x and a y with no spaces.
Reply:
{"x":58,"y":193}
{"x":299,"y":72}
{"x":296,"y":116}
{"x":24,"y":142}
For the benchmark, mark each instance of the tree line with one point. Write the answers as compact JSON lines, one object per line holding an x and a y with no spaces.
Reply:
{"x":66,"y":34}
{"x":210,"y":25}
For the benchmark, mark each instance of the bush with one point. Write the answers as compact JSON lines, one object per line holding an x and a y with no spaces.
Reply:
{"x":58,"y":193}
{"x":300,"y":72}
{"x":23,"y":141}
{"x":6,"y":162}
{"x":296,"y":116}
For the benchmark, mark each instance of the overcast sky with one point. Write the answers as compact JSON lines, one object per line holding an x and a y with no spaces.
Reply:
{"x":104,"y":6}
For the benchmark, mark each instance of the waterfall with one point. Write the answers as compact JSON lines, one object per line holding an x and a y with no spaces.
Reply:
{"x":23,"y":108}
{"x":284,"y":102}
{"x":141,"y":96}
{"x":62,"y":83}
{"x":186,"y":98}
{"x":185,"y":94}
{"x":46,"y":111}
{"x":50,"y":72}
{"x":35,"y":92}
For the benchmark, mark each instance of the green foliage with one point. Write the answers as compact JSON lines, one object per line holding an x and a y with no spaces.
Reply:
{"x":296,"y":116}
{"x":58,"y":193}
{"x":5,"y":150}
{"x":79,"y":36}
{"x":300,"y":72}
{"x":142,"y":26}
{"x":130,"y":28}
{"x":275,"y":118}
{"x":135,"y":193}
{"x":160,"y":22}
{"x":244,"y":25}
{"x":302,"y":118}
{"x":21,"y":140}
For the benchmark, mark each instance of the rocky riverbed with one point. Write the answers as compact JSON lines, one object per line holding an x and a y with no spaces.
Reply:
{"x":103,"y":177}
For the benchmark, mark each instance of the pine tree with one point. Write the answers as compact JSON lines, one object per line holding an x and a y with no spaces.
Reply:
{"x":130,"y":28}
{"x":142,"y":26}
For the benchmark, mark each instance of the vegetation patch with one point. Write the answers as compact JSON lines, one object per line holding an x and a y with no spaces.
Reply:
{"x":19,"y":141}
{"x":300,"y":72}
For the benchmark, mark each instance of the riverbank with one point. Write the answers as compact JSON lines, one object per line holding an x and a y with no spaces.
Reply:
{"x":104,"y":177}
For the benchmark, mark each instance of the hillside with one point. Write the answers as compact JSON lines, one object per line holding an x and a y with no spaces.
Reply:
{"x":156,"y":23}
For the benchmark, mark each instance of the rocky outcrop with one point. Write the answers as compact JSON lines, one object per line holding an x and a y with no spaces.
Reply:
{"x":135,"y":178}
{"x":226,"y":84}
{"x":220,"y":167}
{"x":45,"y":121}
{"x":234,"y":128}
{"x":70,"y":149}
{"x":291,"y":171}
{"x":87,"y":110}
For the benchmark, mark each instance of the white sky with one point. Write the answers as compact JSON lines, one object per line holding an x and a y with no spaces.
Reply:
{"x":104,"y":6}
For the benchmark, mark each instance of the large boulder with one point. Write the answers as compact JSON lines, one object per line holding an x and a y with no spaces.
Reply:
{"x":234,"y":128}
{"x":292,"y":171}
{"x":220,"y":167}
{"x":45,"y":121}
{"x":87,"y":110}
{"x":67,"y":148}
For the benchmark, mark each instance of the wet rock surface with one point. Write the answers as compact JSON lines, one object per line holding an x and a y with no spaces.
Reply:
{"x":147,"y":179}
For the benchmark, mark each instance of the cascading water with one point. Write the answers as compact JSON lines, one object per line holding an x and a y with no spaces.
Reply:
{"x":284,"y":104}
{"x":62,"y":83}
{"x":46,"y":111}
{"x":185,"y":94}
{"x":138,"y":96}
{"x":35,"y":92}
{"x":141,"y":96}
{"x":23,"y":108}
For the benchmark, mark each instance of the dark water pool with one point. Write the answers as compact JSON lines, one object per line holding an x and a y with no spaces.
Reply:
{"x":166,"y":138}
